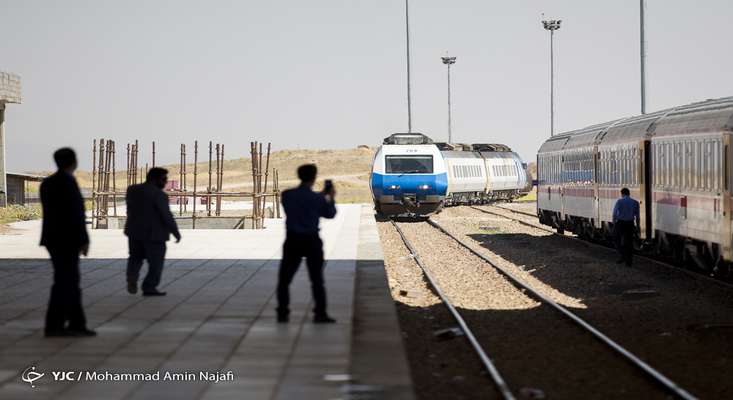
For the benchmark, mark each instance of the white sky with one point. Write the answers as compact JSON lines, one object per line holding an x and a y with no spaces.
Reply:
{"x":331,"y":74}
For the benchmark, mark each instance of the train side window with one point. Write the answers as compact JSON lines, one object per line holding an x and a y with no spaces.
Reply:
{"x":717,"y":173}
{"x":669,"y":165}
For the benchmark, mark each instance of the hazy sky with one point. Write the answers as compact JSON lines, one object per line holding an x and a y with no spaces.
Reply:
{"x":331,"y":74}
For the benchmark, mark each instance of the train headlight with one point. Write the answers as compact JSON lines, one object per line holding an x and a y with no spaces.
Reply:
{"x":394,"y":187}
{"x":424,"y":187}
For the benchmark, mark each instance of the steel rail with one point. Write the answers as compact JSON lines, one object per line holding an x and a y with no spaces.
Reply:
{"x":668,"y":384}
{"x":515,"y":211}
{"x":692,"y":274}
{"x":499,"y":381}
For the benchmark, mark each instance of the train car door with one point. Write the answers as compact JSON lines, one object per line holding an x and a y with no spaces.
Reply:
{"x":727,"y":252}
{"x":647,"y":230}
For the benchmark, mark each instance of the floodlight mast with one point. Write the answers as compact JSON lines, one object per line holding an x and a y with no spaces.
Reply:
{"x":409,"y":95}
{"x":552,"y":25}
{"x":642,"y":38}
{"x":449,"y":61}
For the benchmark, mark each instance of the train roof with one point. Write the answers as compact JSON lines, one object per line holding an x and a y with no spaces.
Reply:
{"x":705,"y":117}
{"x":702,"y":117}
{"x":460,"y":154}
{"x":407,"y":138}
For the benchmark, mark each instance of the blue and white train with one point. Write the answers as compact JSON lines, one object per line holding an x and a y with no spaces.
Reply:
{"x":413,"y":175}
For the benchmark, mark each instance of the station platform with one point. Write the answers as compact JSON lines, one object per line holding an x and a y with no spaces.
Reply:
{"x":216,"y":323}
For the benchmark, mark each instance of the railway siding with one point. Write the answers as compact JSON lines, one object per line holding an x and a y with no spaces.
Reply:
{"x":674,"y":322}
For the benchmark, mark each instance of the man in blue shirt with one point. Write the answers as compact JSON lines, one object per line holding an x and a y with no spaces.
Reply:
{"x":303,"y":210}
{"x":625,"y":214}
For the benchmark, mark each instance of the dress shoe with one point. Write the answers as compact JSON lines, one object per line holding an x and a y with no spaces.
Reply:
{"x":83,"y":332}
{"x":132,"y":287}
{"x":283,"y":319}
{"x":323,"y":319}
{"x":620,"y":261}
{"x":154,"y":293}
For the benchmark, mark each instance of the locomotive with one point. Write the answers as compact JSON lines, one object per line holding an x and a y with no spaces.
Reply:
{"x":413,"y":175}
{"x":675,"y":162}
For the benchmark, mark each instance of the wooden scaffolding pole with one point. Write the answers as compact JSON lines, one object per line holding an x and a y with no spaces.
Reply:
{"x":217,"y":188}
{"x":180,"y":182}
{"x":195,"y":175}
{"x":208,"y":189}
{"x":94,"y":173}
{"x":114,"y":177}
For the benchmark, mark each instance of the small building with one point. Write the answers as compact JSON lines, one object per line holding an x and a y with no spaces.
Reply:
{"x":19,"y":188}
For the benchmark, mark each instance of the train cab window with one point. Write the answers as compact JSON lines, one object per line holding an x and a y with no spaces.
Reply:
{"x":409,"y":164}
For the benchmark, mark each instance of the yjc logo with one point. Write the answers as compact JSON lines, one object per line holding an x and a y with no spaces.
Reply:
{"x":30,"y":375}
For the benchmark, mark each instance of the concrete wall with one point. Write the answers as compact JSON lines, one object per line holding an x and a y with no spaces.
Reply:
{"x":9,"y":93}
{"x":10,"y":88}
{"x":16,"y":190}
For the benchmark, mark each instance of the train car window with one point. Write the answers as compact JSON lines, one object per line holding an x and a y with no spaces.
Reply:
{"x":668,"y":171}
{"x":409,"y":164}
{"x":717,"y":165}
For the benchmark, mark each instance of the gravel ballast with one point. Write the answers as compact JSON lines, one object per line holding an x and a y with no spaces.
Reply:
{"x":440,"y":369}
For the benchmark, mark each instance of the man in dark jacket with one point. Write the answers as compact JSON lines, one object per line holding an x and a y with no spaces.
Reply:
{"x":149,"y":225}
{"x":303,"y":209}
{"x":65,"y":237}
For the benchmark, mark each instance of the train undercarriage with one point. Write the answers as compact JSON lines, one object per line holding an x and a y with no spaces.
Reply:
{"x":475,"y":198}
{"x":675,"y":249}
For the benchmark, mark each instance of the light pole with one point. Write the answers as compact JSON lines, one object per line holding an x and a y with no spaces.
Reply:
{"x":449,"y":61}
{"x":409,"y":99}
{"x":552,"y":25}
{"x":642,"y":6}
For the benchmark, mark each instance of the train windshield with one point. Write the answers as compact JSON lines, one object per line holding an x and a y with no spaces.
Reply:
{"x":404,"y":164}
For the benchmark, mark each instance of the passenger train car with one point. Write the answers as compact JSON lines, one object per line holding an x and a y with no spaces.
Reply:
{"x":412,"y":175}
{"x":676,"y":162}
{"x":481,"y":173}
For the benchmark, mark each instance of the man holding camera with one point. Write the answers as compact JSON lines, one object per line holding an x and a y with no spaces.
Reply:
{"x":303,"y":210}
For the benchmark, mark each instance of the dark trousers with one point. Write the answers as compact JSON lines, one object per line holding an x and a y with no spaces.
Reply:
{"x":295,"y":248}
{"x":65,"y":302}
{"x":625,"y":239}
{"x":154,"y":253}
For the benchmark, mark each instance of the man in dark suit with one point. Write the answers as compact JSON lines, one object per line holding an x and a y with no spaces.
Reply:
{"x":65,"y":237}
{"x":149,"y":225}
{"x":303,"y":209}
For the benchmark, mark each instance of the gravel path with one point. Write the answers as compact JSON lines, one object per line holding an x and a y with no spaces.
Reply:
{"x":681,"y":325}
{"x":533,"y":346}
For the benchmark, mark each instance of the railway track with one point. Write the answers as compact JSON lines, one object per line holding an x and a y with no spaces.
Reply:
{"x":503,"y":388}
{"x":537,"y":225}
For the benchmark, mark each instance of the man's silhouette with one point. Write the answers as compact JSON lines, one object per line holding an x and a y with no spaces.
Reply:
{"x":625,"y":214}
{"x":65,"y":237}
{"x":303,"y":209}
{"x":149,"y":225}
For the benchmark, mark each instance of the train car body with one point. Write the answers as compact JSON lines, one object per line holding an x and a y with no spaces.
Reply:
{"x":467,"y":177}
{"x":481,"y":173}
{"x":675,"y":162}
{"x":408,"y":176}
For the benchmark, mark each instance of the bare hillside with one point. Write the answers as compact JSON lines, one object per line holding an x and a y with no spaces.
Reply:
{"x":349,"y":169}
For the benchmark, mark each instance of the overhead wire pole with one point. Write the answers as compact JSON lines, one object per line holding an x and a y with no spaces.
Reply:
{"x":642,"y":7}
{"x":552,"y":26}
{"x":409,"y":94}
{"x":449,"y":61}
